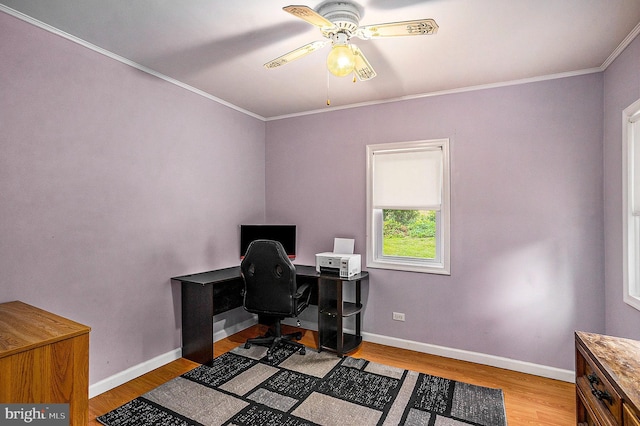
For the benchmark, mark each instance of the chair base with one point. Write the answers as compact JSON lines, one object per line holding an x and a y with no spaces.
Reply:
{"x":273,"y":339}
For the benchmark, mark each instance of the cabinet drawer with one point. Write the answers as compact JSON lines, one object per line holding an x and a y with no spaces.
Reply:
{"x":586,"y":414}
{"x":631,"y":418}
{"x":599,"y":394}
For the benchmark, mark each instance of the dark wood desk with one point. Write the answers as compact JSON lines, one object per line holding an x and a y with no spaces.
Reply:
{"x":209,"y":293}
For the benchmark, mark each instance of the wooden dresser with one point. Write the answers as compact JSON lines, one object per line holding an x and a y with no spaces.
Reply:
{"x":44,"y":358}
{"x":607,"y":380}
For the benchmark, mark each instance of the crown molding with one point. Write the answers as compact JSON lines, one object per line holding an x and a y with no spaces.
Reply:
{"x":623,"y":45}
{"x":444,"y":92}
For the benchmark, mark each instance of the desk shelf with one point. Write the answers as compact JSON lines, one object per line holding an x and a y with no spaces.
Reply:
{"x":333,"y":310}
{"x":350,"y":342}
{"x":348,"y":309}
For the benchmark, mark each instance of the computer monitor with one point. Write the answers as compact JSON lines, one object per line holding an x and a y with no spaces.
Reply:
{"x":285,"y":234}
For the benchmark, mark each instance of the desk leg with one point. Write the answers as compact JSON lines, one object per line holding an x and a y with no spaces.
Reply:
{"x":359,"y":314}
{"x":197,"y":323}
{"x":339,"y":319}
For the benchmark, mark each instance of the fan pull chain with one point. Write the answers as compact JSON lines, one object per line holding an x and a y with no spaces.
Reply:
{"x":328,"y":86}
{"x":328,"y":100}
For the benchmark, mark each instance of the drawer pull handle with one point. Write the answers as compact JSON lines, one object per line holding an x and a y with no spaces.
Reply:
{"x":601,"y":395}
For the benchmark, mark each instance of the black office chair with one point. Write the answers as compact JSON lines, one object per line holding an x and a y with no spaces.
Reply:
{"x":270,"y":290}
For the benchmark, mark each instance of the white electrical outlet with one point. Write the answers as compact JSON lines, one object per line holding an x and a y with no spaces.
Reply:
{"x":398,"y":316}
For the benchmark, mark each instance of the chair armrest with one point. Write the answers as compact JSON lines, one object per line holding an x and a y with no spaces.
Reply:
{"x":304,"y":288}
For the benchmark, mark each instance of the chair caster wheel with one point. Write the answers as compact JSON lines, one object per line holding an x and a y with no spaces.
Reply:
{"x":247,"y":345}
{"x":303,"y":351}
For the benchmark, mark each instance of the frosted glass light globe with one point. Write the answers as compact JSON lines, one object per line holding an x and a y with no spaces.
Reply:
{"x":340,"y":60}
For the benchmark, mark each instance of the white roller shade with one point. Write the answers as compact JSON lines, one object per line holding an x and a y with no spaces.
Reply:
{"x":407,"y":179}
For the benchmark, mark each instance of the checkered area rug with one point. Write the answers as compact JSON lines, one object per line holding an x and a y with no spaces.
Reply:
{"x":242,"y":388}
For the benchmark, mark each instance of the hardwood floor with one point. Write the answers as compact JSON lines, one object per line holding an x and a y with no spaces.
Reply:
{"x":529,"y":400}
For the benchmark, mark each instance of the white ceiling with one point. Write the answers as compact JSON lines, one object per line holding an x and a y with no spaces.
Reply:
{"x":219,"y":47}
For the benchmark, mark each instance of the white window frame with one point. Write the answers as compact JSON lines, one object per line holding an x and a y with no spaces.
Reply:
{"x":631,"y":220}
{"x":375,"y":257}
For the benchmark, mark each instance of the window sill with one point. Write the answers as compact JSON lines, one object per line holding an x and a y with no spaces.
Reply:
{"x":408,"y":267}
{"x":632,"y":301}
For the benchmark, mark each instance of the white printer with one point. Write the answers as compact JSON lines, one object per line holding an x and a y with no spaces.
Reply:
{"x":341,"y":260}
{"x":344,"y":264}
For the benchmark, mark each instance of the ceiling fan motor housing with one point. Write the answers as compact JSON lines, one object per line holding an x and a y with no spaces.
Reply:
{"x":345,"y":15}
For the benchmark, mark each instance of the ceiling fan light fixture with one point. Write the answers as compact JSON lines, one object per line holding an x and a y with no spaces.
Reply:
{"x":341,"y":60}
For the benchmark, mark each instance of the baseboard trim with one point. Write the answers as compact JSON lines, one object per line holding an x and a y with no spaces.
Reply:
{"x":462,"y":355}
{"x":459,"y":354}
{"x":235,"y":328}
{"x":133,"y":372}
{"x":475,"y":357}
{"x":147,"y":366}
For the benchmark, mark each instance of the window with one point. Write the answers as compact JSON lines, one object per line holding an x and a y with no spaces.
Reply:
{"x":408,"y":206}
{"x":631,"y":203}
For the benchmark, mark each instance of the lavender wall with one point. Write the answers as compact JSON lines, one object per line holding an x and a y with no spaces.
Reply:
{"x":621,"y":88}
{"x":111,"y":182}
{"x":527,"y":227}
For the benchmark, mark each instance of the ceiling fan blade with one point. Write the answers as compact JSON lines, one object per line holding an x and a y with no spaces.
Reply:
{"x":396,"y":29}
{"x":363,"y":68}
{"x":311,"y":16}
{"x":295,"y":54}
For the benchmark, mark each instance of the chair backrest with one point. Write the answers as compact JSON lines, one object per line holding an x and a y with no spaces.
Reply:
{"x":269,"y":279}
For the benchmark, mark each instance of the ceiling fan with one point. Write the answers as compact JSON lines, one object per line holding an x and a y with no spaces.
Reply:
{"x":338,"y":21}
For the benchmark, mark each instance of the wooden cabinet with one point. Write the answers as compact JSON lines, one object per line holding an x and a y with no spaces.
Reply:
{"x":44,"y":359}
{"x":333,"y":310}
{"x":607,"y":380}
